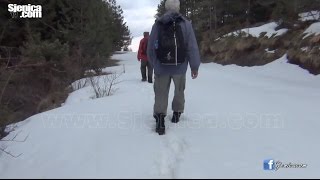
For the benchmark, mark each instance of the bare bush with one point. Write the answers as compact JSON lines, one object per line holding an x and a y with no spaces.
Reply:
{"x":9,"y":153}
{"x":4,"y":150}
{"x":80,"y":84}
{"x":104,"y":85}
{"x":247,"y":44}
{"x":308,"y":60}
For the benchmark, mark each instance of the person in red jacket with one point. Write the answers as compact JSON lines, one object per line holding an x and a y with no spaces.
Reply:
{"x":142,"y":56}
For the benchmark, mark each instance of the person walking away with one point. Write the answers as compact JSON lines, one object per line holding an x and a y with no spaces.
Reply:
{"x":172,"y":47}
{"x":142,"y":56}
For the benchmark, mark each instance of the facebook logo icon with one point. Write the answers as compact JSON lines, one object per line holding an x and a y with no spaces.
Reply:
{"x":268,"y":164}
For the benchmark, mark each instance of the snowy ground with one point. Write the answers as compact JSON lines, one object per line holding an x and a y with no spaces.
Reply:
{"x":235,"y":119}
{"x":314,"y":29}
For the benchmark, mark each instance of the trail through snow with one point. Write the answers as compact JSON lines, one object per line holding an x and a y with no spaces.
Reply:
{"x":235,"y":118}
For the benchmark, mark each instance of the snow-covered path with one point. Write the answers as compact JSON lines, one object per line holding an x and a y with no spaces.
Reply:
{"x":235,"y":118}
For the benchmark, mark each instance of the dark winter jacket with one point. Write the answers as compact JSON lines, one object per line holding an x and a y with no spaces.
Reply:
{"x":192,"y":54}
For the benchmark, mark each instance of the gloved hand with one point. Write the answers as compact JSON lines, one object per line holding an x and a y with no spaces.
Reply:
{"x":194,"y":74}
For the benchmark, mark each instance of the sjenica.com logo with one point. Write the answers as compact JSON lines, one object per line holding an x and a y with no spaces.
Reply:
{"x":25,"y":11}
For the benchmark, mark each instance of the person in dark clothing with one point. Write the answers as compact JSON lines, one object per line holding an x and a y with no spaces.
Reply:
{"x":172,"y":47}
{"x":142,"y":56}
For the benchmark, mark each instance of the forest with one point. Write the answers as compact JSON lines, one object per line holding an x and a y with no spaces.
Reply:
{"x":41,"y":57}
{"x":213,"y":19}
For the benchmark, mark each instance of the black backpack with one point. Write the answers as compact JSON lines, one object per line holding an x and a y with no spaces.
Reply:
{"x":171,"y":48}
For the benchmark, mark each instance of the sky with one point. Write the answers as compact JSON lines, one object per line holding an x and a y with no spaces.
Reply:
{"x":139,"y":16}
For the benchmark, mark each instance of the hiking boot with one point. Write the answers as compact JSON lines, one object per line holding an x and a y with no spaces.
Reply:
{"x":150,"y":81}
{"x":160,"y":127}
{"x":176,"y":117}
{"x":143,"y":79}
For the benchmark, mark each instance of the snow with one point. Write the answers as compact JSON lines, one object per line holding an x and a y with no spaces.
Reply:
{"x":83,"y":94}
{"x":271,"y":52}
{"x":305,"y":49}
{"x":313,"y":29}
{"x":269,"y":29}
{"x":309,"y":16}
{"x":235,"y":118}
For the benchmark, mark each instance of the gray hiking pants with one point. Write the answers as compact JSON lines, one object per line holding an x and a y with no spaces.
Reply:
{"x":144,"y":66}
{"x":161,"y":90}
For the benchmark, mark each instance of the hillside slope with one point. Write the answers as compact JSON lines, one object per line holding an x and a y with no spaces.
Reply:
{"x":263,"y":44}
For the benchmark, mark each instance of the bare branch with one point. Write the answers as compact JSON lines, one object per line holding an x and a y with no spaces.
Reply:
{"x":16,"y":135}
{"x":28,"y":66}
{"x":79,"y":84}
{"x":6,"y":84}
{"x":13,"y":139}
{"x":57,"y":70}
{"x":49,"y":26}
{"x":106,"y":86}
{"x":4,"y":29}
{"x":9,"y":153}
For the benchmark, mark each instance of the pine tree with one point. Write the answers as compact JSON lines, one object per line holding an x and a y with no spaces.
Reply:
{"x":71,"y":37}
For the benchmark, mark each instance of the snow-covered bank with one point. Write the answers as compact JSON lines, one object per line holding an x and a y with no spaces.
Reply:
{"x":314,"y":29}
{"x":269,"y":30}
